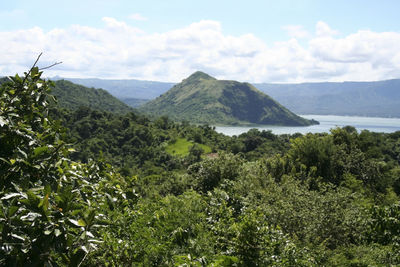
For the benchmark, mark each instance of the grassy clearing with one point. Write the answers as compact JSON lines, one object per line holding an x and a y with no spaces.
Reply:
{"x":182,"y":146}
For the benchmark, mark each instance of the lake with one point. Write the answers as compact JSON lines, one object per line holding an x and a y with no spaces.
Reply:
{"x":327,"y":122}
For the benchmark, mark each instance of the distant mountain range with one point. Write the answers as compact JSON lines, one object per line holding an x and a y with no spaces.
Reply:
{"x":381,"y":98}
{"x":376,"y":99}
{"x":201,"y":98}
{"x":131,"y":92}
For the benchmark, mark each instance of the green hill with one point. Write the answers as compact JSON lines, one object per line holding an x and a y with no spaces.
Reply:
{"x":373,"y":99}
{"x":72,"y":96}
{"x":203,"y":99}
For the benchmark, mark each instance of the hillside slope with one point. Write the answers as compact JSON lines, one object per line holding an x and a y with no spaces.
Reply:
{"x":129,"y":88}
{"x":203,"y":99}
{"x":72,"y":96}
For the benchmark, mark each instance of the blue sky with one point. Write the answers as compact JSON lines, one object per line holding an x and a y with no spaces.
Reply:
{"x":307,"y":29}
{"x":263,"y":18}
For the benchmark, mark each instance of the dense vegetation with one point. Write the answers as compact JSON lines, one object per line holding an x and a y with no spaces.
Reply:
{"x":119,"y":195}
{"x":203,"y":99}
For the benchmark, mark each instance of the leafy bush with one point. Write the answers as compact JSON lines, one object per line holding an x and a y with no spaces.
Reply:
{"x":49,"y":204}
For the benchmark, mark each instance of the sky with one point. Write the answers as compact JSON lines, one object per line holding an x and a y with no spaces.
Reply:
{"x":282,"y":41}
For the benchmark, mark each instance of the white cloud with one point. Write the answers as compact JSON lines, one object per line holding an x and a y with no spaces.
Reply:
{"x":323,"y":30}
{"x":118,"y":50}
{"x":137,"y":16}
{"x":296,"y":31}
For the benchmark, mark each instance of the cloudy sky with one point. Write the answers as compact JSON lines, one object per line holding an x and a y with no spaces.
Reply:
{"x":277,"y":41}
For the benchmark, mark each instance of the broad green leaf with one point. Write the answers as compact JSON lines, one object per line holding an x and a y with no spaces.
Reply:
{"x":22,"y":152}
{"x":89,"y":234}
{"x":12,"y":210}
{"x":34,"y":71}
{"x":47,"y":190}
{"x":31,"y":216}
{"x":44,"y":203}
{"x":84,"y":249}
{"x":2,"y":121}
{"x":18,"y":237}
{"x":78,"y":223}
{"x":81,"y":222}
{"x":57,"y":232}
{"x":6,"y":161}
{"x":47,"y":232}
{"x":40,"y":150}
{"x":11,"y":195}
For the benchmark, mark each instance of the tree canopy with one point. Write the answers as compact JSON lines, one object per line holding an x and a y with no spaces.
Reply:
{"x":84,"y":187}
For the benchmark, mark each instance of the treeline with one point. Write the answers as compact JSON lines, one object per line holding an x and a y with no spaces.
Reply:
{"x":88,"y":187}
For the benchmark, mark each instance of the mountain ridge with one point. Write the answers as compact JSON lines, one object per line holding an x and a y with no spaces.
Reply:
{"x":374,"y":99}
{"x":73,"y":96}
{"x":201,"y":98}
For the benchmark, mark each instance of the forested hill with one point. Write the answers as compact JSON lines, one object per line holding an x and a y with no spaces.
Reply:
{"x":203,"y":99}
{"x":379,"y":98}
{"x":72,"y":96}
{"x":129,"y":88}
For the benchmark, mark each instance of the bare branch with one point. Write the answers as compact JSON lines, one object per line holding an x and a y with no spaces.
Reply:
{"x":34,"y":64}
{"x":52,"y":65}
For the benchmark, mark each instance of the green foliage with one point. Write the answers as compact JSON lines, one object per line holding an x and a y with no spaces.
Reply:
{"x":385,"y":224}
{"x":364,"y":255}
{"x":209,"y":173}
{"x":258,"y":244}
{"x":257,"y":200}
{"x":182,"y":147}
{"x":48,"y":208}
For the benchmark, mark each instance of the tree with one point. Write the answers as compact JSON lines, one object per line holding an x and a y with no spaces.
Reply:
{"x":47,"y":202}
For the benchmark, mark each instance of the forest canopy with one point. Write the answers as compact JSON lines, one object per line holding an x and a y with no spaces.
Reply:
{"x":84,"y":187}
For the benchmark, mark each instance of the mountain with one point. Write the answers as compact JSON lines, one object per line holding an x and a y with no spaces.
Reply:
{"x":72,"y":96}
{"x":203,"y":99}
{"x":379,"y":99}
{"x":131,"y":88}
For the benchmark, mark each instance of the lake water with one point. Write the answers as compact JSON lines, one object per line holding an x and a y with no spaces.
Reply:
{"x":327,"y":122}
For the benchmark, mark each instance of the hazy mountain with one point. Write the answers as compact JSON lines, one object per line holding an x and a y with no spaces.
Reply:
{"x":126,"y":88}
{"x":134,"y":102}
{"x":70,"y":95}
{"x":381,"y":98}
{"x":203,"y":99}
